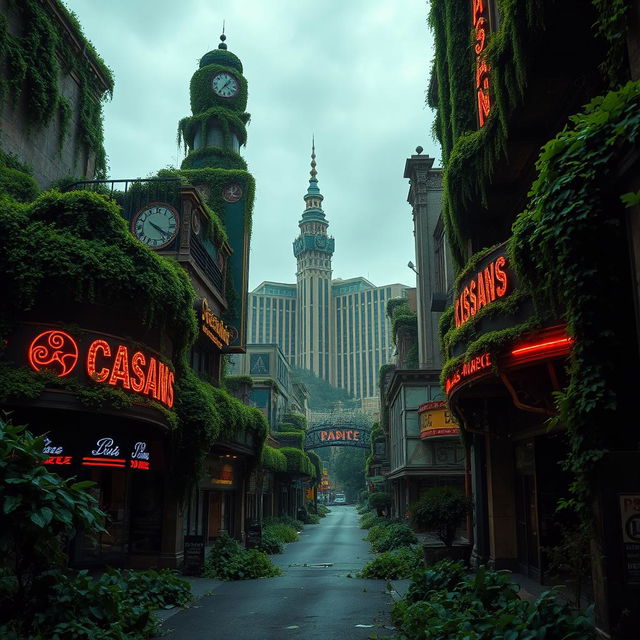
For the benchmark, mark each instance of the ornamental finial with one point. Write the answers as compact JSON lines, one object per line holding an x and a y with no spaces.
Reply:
{"x":314,"y":173}
{"x":222,"y":44}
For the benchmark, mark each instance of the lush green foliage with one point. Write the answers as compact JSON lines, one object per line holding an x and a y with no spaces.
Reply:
{"x":290,"y":438}
{"x":296,"y":420}
{"x":281,"y":531}
{"x":40,"y":597}
{"x":270,"y":542}
{"x":35,"y":58}
{"x":441,"y":510}
{"x":380,"y":500}
{"x":285,"y":519}
{"x":397,"y":564}
{"x":371,"y":518}
{"x":573,"y":215}
{"x":273,"y":459}
{"x":298,"y":461}
{"x":322,"y":395}
{"x":226,"y":560}
{"x":484,"y":606}
{"x":388,"y":536}
{"x":403,"y":318}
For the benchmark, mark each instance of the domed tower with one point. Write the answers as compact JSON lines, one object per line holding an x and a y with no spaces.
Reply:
{"x":313,"y":248}
{"x":215,"y":132}
{"x":213,"y":136}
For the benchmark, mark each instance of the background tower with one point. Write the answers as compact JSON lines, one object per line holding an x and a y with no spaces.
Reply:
{"x":313,"y":249}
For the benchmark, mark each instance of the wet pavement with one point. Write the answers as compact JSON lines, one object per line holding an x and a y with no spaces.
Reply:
{"x":317,"y":597}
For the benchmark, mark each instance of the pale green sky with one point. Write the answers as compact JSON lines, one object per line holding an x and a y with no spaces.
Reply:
{"x":353,"y":72}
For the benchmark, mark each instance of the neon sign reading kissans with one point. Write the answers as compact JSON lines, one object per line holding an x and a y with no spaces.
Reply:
{"x":106,"y":362}
{"x":483,"y":82}
{"x":487,"y":285}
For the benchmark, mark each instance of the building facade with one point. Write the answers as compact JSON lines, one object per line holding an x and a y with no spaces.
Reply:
{"x":541,"y":349}
{"x":335,"y":328}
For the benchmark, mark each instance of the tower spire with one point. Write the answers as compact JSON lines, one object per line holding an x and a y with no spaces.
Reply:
{"x":314,"y":173}
{"x":223,"y":44}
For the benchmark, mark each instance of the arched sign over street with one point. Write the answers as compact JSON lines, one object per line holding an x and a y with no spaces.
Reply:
{"x":344,"y":435}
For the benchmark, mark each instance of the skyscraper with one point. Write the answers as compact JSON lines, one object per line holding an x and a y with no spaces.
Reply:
{"x":335,"y":328}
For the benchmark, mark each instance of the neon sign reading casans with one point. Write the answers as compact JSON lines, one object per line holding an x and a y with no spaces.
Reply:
{"x":106,"y":361}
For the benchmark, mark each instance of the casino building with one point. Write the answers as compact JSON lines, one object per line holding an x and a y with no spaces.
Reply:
{"x":541,"y":172}
{"x":115,"y":326}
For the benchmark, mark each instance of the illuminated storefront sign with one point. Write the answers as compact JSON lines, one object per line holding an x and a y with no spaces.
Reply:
{"x":214,"y":328}
{"x":56,"y":454}
{"x":340,"y":435}
{"x":486,"y":286}
{"x":106,"y":361}
{"x":140,"y":456}
{"x":467,"y":370}
{"x":436,"y":420}
{"x":483,"y":82}
{"x":106,"y":453}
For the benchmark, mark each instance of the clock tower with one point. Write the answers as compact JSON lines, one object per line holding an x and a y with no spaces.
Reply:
{"x":213,"y":136}
{"x":313,"y":249}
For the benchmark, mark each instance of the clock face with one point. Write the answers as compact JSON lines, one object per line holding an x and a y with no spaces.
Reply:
{"x":156,"y":225}
{"x":232,"y":192}
{"x":225,"y":85}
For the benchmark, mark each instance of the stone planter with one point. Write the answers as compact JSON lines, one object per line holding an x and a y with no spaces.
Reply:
{"x":433,"y":553}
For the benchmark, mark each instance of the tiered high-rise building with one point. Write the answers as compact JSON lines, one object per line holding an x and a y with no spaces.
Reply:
{"x":335,"y":328}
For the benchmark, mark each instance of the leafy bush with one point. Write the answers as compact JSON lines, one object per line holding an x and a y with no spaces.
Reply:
{"x":323,"y":510}
{"x":270,"y":543}
{"x":314,"y":518}
{"x":228,"y":561}
{"x":380,"y":501}
{"x":446,"y":605}
{"x":441,"y":510}
{"x":397,"y":564}
{"x":392,"y":536}
{"x":370,"y":519}
{"x":282,"y":532}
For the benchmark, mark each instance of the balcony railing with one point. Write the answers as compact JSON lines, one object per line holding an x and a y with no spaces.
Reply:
{"x":203,"y":259}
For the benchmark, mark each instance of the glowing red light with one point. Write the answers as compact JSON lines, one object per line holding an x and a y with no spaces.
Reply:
{"x":104,"y":462}
{"x":542,"y":346}
{"x":53,"y":349}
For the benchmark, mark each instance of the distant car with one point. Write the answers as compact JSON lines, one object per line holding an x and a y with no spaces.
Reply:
{"x":339,"y":499}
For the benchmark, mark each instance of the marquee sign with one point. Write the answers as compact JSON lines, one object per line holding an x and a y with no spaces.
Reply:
{"x":468,"y":369}
{"x":329,"y":436}
{"x":436,"y":420}
{"x":106,"y":360}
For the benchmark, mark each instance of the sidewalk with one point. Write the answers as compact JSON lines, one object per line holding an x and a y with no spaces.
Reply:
{"x":199,"y":587}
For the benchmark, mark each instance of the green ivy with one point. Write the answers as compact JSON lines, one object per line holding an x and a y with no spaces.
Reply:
{"x":34,"y":60}
{"x":298,"y":461}
{"x":274,"y":459}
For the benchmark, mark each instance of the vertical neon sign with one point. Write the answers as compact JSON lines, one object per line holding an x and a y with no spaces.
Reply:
{"x":483,"y":83}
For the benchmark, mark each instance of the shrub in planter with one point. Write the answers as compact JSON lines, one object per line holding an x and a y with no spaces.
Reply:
{"x":392,"y":536}
{"x":284,"y":519}
{"x":441,"y":510}
{"x":397,"y":564}
{"x":323,"y":510}
{"x":380,"y":501}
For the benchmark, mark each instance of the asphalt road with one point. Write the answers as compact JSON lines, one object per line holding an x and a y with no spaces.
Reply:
{"x":317,"y":597}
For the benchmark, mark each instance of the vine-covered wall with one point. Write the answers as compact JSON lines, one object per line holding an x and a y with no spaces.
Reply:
{"x":39,"y":57}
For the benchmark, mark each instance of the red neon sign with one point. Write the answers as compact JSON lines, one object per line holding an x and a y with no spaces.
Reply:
{"x":55,"y":350}
{"x":104,"y":462}
{"x":487,"y":285}
{"x":547,"y":345}
{"x":483,"y":83}
{"x":468,"y":369}
{"x":59,"y":460}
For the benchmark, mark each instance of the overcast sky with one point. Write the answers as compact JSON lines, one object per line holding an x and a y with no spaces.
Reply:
{"x":351,"y":72}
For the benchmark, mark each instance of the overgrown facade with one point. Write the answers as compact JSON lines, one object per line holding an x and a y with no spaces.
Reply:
{"x":538,"y":121}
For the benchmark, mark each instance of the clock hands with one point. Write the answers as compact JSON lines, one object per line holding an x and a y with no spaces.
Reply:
{"x":164,"y":233}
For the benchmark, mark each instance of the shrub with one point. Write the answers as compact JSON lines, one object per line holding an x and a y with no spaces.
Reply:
{"x":314,"y":518}
{"x":380,"y":501}
{"x":370,"y":519}
{"x":323,"y":510}
{"x":285,"y":519}
{"x":441,"y":510}
{"x":281,"y":532}
{"x":228,"y":561}
{"x":397,"y":564}
{"x":484,"y":606}
{"x":392,"y":536}
{"x":270,"y":543}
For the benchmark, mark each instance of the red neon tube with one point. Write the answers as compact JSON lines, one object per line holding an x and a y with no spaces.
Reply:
{"x":542,"y":346}
{"x":103,"y":464}
{"x":105,"y":459}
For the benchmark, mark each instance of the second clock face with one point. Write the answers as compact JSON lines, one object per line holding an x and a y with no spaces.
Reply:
{"x":232,"y":192}
{"x":156,"y":225}
{"x":225,"y":85}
